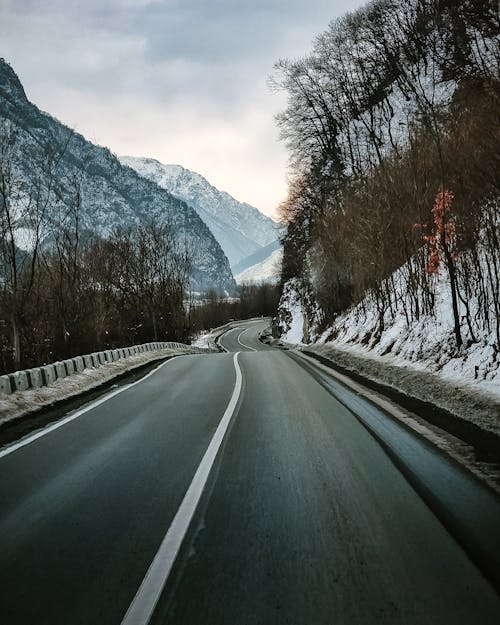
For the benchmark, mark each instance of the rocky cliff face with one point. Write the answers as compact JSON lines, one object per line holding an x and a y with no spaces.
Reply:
{"x":47,"y":153}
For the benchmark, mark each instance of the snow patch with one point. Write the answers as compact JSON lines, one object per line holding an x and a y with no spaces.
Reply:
{"x":295,"y":334}
{"x":427,"y":344}
{"x":298,"y":314}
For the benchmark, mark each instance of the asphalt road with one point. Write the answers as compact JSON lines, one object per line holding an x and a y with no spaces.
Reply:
{"x":244,"y":337}
{"x":224,"y":489}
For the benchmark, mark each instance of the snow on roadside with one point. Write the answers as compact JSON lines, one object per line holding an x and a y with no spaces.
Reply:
{"x":420,"y":358}
{"x":428,"y":346}
{"x":467,"y":401}
{"x":204,"y":340}
{"x":21,"y":403}
{"x":208,"y":338}
{"x":424,"y":345}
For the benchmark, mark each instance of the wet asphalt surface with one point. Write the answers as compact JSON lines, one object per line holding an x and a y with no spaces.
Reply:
{"x":305,"y":518}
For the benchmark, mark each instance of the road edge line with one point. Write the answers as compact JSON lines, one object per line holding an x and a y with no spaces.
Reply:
{"x":57,"y":424}
{"x":410,"y":421}
{"x":144,"y":603}
{"x":481,"y":551}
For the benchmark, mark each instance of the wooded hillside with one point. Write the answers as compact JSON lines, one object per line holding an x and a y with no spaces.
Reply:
{"x":392,"y":125}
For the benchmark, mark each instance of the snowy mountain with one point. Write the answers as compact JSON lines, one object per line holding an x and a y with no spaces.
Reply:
{"x":51,"y":157}
{"x":267,"y":270}
{"x":260,"y":256}
{"x":240,"y":229}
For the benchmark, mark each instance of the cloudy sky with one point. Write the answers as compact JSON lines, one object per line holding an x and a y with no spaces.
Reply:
{"x":183,"y":81}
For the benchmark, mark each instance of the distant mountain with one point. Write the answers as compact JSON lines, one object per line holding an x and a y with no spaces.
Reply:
{"x":256,"y":258}
{"x":240,"y":229}
{"x":266,"y":270}
{"x":112,"y":194}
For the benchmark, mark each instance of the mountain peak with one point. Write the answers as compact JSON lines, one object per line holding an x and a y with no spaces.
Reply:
{"x":9,"y":81}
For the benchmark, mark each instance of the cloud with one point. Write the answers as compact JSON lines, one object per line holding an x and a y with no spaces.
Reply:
{"x":180,"y":80}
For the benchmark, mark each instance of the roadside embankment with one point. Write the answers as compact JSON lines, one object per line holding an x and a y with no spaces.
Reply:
{"x":469,"y":418}
{"x":473,"y":405}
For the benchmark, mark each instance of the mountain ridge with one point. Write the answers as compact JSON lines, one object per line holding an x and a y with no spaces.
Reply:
{"x":240,"y":229}
{"x":112,"y":194}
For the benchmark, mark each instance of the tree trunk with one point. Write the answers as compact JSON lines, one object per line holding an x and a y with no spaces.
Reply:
{"x":16,"y":343}
{"x":454,"y":299}
{"x":155,"y":329}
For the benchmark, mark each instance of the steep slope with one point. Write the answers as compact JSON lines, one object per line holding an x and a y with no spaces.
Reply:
{"x":239,"y":228}
{"x":267,"y":270}
{"x":391,"y":336}
{"x":260,"y":256}
{"x":48,"y":153}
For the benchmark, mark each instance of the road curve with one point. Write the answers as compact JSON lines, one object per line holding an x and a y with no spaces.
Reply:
{"x":244,"y":337}
{"x":302,"y":517}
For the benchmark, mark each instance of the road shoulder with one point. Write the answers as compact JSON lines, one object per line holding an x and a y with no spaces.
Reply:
{"x":477,"y":449}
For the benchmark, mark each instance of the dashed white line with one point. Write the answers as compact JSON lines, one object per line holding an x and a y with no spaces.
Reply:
{"x":142,"y":607}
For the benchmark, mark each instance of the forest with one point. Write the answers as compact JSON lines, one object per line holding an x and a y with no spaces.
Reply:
{"x":254,"y":300}
{"x":392,"y":127}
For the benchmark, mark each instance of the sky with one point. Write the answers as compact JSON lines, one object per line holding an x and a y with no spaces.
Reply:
{"x":182,"y":81}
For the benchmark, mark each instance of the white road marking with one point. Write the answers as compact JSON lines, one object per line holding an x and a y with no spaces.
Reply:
{"x":54,"y":426}
{"x":243,"y":344}
{"x":144,"y":602}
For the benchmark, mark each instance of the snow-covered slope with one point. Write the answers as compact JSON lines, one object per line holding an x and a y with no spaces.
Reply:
{"x":50,"y":155}
{"x":426,"y":345}
{"x":267,"y":270}
{"x":239,"y":228}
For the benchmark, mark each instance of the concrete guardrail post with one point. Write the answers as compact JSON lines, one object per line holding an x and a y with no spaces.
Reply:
{"x":49,"y":374}
{"x":109,"y":355}
{"x":35,"y":377}
{"x":60,"y":370}
{"x":5,"y":386}
{"x":21,"y":380}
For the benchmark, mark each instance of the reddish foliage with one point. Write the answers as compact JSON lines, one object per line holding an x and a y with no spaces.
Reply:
{"x":444,"y":231}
